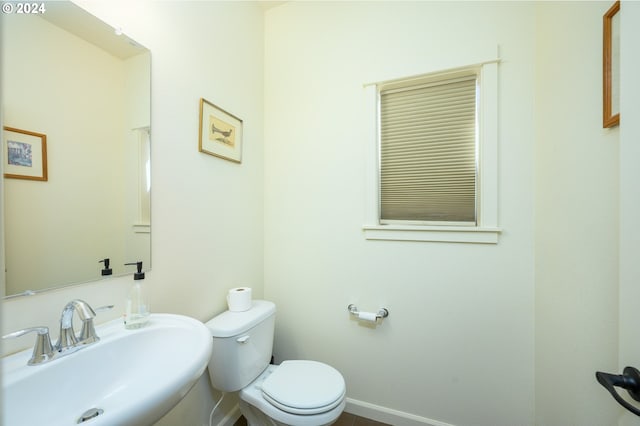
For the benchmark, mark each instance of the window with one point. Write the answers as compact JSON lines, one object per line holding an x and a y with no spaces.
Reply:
{"x":436,"y":157}
{"x":428,"y":141}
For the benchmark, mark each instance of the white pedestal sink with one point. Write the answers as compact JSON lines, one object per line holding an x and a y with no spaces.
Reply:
{"x":129,"y":377}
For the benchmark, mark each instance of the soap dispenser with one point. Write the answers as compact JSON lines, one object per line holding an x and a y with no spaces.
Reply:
{"x":106,"y":270}
{"x":137,"y":309}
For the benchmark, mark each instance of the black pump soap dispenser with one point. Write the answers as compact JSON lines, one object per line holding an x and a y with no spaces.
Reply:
{"x":106,"y":270}
{"x":137,"y":310}
{"x":137,"y":275}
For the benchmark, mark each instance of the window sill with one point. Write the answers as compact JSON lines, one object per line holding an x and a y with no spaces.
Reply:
{"x":449,"y":234}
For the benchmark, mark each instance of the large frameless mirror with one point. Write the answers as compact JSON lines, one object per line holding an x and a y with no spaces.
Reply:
{"x":76,"y":149}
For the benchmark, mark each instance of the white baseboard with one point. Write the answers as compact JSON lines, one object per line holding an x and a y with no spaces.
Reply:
{"x":231,"y":418}
{"x":388,"y":415}
{"x":362,"y":409}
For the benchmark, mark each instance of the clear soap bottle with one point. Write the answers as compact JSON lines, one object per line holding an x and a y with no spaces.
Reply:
{"x":136,"y":307}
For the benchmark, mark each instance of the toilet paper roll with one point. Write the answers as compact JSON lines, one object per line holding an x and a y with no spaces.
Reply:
{"x":367,"y":316}
{"x":239,"y":299}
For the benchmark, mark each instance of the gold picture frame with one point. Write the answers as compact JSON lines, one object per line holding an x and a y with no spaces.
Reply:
{"x":220,"y":132}
{"x":25,"y":154}
{"x":611,"y":66}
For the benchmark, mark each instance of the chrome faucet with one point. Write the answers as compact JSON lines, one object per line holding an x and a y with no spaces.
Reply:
{"x":68,"y":341}
{"x":67,"y":338}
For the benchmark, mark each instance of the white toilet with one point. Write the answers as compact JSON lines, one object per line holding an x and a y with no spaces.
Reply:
{"x":294,"y":393}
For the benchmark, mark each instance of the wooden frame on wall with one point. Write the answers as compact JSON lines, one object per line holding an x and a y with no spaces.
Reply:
{"x":25,"y":154}
{"x":220,"y":132}
{"x":611,"y":67}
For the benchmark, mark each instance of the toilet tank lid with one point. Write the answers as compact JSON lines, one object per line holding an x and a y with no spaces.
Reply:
{"x":229,"y":324}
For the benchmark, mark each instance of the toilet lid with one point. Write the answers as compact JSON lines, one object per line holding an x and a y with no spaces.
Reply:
{"x":304,"y":387}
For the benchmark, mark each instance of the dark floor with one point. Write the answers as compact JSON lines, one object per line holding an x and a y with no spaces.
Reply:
{"x":346,"y":419}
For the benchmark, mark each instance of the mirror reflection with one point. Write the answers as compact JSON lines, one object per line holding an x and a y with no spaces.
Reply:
{"x":70,"y":77}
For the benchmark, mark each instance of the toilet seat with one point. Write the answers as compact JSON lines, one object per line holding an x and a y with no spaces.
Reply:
{"x":304,"y":387}
{"x":259,"y":411}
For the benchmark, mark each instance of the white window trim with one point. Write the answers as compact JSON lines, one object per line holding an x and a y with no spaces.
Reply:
{"x":487,"y":230}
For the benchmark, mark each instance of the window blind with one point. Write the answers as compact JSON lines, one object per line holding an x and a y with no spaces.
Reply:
{"x":428,"y":152}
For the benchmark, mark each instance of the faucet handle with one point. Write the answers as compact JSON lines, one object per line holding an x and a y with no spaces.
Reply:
{"x":88,"y":331}
{"x":103,"y":308}
{"x":42,"y":350}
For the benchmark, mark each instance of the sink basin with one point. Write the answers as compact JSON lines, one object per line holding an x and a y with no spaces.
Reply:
{"x":129,"y":377}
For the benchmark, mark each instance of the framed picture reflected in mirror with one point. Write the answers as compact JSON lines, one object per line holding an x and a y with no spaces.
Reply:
{"x":25,"y":154}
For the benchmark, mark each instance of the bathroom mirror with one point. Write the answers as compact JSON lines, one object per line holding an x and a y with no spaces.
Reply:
{"x":73,"y":79}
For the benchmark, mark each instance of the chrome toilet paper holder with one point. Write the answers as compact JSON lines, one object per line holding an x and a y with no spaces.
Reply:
{"x":382,"y":312}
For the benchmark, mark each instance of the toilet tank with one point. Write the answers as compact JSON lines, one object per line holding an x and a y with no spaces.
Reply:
{"x":242,"y":345}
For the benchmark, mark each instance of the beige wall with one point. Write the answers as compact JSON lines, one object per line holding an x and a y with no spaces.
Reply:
{"x":629,"y":194}
{"x":506,"y":334}
{"x":576,"y":211}
{"x":461,"y":318}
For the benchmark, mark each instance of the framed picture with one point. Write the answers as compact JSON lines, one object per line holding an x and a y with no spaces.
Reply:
{"x":220,"y":132}
{"x":25,"y":154}
{"x":611,"y":66}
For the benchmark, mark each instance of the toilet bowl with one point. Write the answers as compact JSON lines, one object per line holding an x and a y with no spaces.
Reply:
{"x":295,"y":393}
{"x":301,"y":393}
